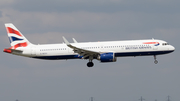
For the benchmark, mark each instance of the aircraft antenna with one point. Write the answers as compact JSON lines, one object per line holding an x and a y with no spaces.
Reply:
{"x":91,"y":98}
{"x":168,"y":98}
{"x":141,"y":99}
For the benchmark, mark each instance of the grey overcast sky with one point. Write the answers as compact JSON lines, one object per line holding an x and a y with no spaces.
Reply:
{"x":46,"y":21}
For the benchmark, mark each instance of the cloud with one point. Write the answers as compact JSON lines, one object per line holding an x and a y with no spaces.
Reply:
{"x":107,"y":6}
{"x":5,"y":3}
{"x":85,"y":25}
{"x":0,"y":14}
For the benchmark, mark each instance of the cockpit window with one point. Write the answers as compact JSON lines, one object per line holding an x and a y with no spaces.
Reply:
{"x":165,"y":44}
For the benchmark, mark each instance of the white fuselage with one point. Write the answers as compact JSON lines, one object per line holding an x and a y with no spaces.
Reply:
{"x":119,"y":48}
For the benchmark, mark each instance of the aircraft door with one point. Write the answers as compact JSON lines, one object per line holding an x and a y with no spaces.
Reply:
{"x":33,"y":51}
{"x":70,"y":50}
{"x":155,"y":47}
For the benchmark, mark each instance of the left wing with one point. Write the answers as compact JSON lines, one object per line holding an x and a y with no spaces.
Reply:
{"x":74,"y":40}
{"x":82,"y":52}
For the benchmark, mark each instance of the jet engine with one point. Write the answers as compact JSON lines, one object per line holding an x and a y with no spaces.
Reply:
{"x":107,"y":57}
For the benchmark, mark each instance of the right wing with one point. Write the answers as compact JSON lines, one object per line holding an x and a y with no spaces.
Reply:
{"x":82,"y":52}
{"x":74,"y":40}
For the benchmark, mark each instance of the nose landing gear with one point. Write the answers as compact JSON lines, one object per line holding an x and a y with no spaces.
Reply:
{"x":155,"y":61}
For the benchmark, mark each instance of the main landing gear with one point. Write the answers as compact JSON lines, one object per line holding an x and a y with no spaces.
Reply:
{"x":90,"y":63}
{"x":155,"y":61}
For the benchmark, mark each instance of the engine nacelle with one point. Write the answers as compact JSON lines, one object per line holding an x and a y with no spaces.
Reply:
{"x":107,"y":57}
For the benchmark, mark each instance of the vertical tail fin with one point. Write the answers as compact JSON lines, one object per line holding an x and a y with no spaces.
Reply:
{"x":15,"y":37}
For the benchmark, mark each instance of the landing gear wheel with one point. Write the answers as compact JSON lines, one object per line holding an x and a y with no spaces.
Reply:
{"x":90,"y":64}
{"x":155,"y":61}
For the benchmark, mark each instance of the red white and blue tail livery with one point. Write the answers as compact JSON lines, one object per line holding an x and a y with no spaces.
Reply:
{"x":106,"y":51}
{"x":15,"y":37}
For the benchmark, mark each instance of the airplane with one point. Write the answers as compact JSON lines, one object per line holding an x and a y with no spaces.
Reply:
{"x":106,"y":51}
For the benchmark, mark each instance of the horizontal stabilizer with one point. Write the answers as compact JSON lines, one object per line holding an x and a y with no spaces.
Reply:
{"x":7,"y":50}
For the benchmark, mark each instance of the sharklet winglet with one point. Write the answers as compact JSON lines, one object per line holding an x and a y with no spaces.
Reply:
{"x":65,"y":40}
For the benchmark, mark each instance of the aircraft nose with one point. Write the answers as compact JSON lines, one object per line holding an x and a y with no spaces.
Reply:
{"x":172,"y":48}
